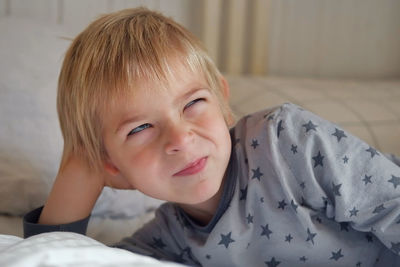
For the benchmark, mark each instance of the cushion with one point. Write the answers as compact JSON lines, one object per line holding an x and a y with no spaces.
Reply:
{"x":31,"y":55}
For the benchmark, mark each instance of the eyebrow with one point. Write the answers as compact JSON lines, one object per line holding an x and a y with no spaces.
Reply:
{"x":134,"y":118}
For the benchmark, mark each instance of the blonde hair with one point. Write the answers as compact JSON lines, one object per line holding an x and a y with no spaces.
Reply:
{"x":112,"y":55}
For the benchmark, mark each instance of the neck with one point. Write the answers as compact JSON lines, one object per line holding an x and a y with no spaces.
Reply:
{"x":202,"y":213}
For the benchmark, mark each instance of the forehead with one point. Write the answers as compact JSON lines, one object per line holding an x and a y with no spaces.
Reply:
{"x":179,"y":80}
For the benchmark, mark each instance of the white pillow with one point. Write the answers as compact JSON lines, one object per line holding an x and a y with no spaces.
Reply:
{"x":31,"y":55}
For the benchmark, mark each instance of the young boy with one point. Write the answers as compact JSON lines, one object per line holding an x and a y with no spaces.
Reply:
{"x":142,"y":106}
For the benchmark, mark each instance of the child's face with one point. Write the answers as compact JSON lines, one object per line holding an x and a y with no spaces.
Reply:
{"x":170,"y":143}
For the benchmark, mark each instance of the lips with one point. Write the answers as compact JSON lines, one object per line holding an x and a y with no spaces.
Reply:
{"x":193,"y":167}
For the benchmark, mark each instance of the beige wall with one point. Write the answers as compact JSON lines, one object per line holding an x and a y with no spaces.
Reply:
{"x":314,"y":38}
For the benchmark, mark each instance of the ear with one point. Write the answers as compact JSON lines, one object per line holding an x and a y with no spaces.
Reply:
{"x":110,"y":168}
{"x":230,"y":121}
{"x":225,"y":88}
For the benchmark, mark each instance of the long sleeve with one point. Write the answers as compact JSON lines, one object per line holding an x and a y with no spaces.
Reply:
{"x":31,"y":226}
{"x":336,"y":173}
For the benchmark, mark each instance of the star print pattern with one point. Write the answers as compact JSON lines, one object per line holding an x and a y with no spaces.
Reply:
{"x":288,"y":178}
{"x":266,"y":231}
{"x":310,"y":126}
{"x":282,"y":204}
{"x":310,"y":236}
{"x":354,"y":212}
{"x":318,"y":160}
{"x":257,"y":174}
{"x":395,"y":181}
{"x":336,"y":189}
{"x":339,"y":134}
{"x":280,"y":128}
{"x":272,"y":262}
{"x":367,"y":179}
{"x":288,"y":238}
{"x":294,"y":149}
{"x":254,"y":143}
{"x":249,"y":218}
{"x":226,"y":240}
{"x":372,"y":151}
{"x":336,"y":255}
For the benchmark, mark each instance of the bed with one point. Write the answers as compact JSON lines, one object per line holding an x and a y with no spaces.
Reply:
{"x":31,"y":144}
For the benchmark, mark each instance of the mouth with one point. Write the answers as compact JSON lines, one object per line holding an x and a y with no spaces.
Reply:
{"x":193,"y":167}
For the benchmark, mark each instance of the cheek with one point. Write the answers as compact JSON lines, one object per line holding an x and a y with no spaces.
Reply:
{"x":142,"y":163}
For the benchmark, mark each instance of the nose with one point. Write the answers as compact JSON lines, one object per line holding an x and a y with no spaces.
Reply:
{"x":178,"y":137}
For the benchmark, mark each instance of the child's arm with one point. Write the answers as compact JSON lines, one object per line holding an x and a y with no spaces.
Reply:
{"x":71,"y":199}
{"x":73,"y":195}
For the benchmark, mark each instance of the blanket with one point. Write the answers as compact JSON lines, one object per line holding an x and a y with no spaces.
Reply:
{"x":67,"y":249}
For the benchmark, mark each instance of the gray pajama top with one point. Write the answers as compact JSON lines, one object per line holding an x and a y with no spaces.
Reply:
{"x":299,"y":191}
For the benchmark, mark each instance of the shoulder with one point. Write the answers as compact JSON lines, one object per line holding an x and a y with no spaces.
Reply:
{"x":269,"y":122}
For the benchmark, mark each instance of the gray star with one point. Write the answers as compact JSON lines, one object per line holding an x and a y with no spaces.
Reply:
{"x":158,"y":243}
{"x":339,"y":134}
{"x":395,"y":181}
{"x":396,"y":247}
{"x":303,"y":259}
{"x":282,"y":204}
{"x":358,"y":264}
{"x":336,"y":255}
{"x":294,"y":206}
{"x":257,"y":173}
{"x":208,"y":256}
{"x":379,"y":208}
{"x":310,"y":126}
{"x":367,"y":179}
{"x":254,"y":143}
{"x":354,"y":212}
{"x":372,"y":151}
{"x":272,"y":262}
{"x":262,"y":200}
{"x":336,"y":188}
{"x":294,"y":149}
{"x":345,"y":160}
{"x":288,"y":238}
{"x":249,"y":219}
{"x":318,"y":159}
{"x":280,"y":128}
{"x":226,"y":240}
{"x":243,"y":193}
{"x":266,"y":231}
{"x":310,"y":236}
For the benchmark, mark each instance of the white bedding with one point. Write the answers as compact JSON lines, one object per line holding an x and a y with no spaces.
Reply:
{"x":67,"y":249}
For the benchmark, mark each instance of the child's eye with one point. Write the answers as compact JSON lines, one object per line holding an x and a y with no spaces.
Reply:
{"x":139,"y":129}
{"x":191,"y":103}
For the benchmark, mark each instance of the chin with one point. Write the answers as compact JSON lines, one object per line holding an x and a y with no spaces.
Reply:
{"x":205,"y":193}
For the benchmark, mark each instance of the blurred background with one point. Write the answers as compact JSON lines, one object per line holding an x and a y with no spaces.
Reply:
{"x":313,"y":38}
